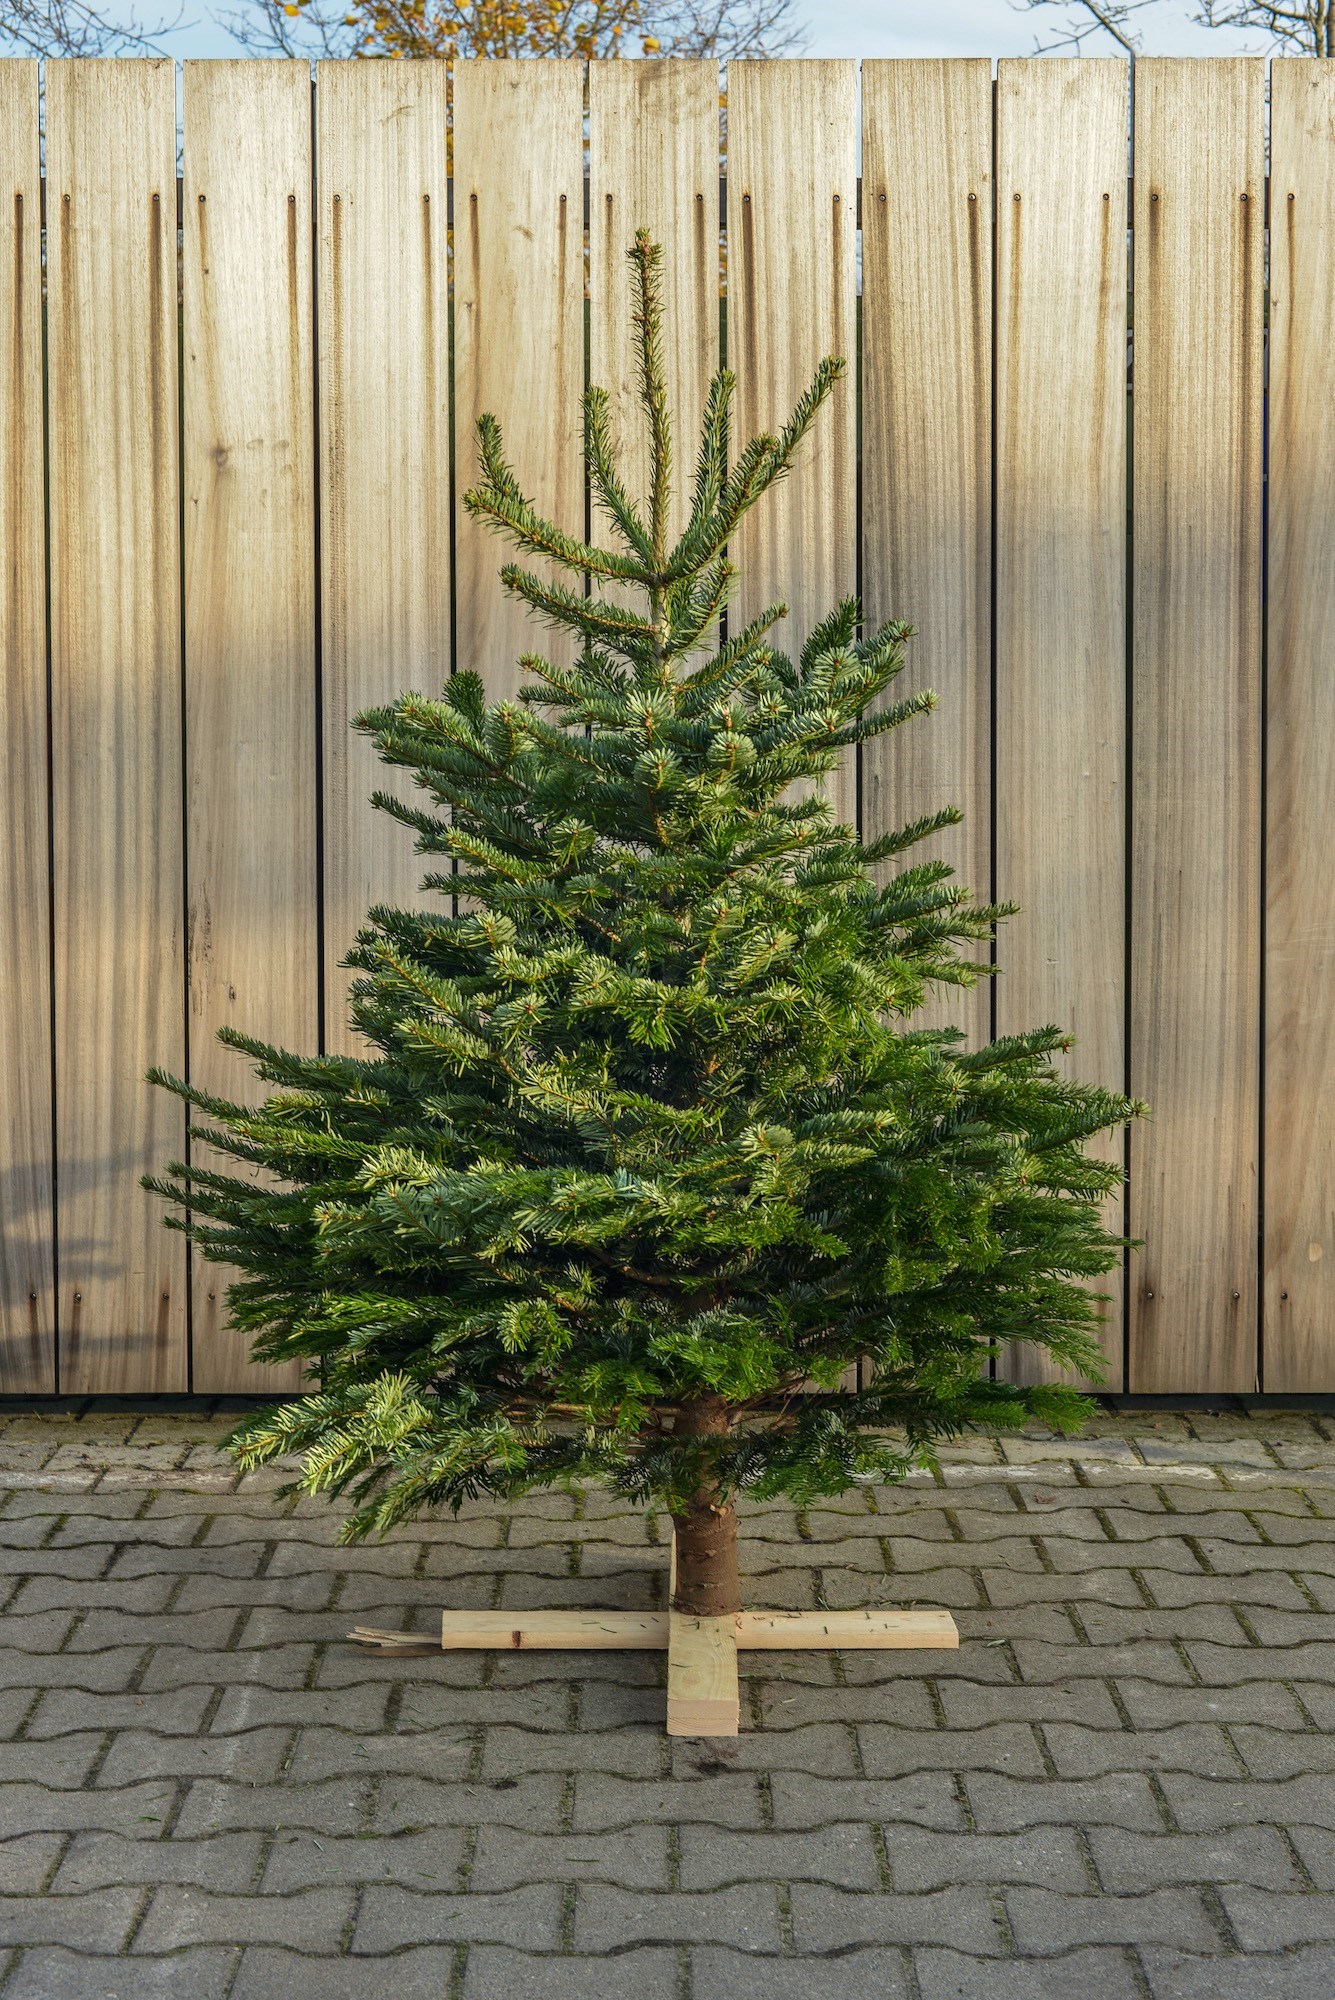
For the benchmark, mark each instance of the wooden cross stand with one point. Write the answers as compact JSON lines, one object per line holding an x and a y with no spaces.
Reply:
{"x":702,"y":1652}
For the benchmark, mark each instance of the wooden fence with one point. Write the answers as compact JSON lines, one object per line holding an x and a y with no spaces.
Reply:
{"x":234,"y":429}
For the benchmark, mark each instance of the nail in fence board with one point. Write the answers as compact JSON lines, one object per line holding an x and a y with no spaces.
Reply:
{"x":1195,"y":788}
{"x":27,"y":1301}
{"x":792,"y":223}
{"x":384,"y":464}
{"x":518,"y":330}
{"x":1061,"y":578}
{"x":927,"y":449}
{"x":249,"y":523}
{"x":116,"y":714}
{"x":1298,"y":1337}
{"x":654,"y":164}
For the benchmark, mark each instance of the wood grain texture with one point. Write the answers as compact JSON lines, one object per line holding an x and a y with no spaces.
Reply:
{"x":792,"y":225}
{"x":518,"y":329}
{"x":384,"y":458}
{"x":116,"y":715}
{"x":1195,"y":791}
{"x":1298,"y":1323}
{"x":703,"y":1695}
{"x":27,"y":1197}
{"x":654,"y":164}
{"x":249,"y":523}
{"x":927,"y":447}
{"x":1061,"y":579}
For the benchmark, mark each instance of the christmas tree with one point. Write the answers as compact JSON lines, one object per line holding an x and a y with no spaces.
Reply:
{"x":642,"y":1176}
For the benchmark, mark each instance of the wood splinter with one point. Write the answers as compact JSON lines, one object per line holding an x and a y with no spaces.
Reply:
{"x":702,"y":1652}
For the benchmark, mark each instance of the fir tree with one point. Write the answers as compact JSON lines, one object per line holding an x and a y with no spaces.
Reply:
{"x":642,"y":1159}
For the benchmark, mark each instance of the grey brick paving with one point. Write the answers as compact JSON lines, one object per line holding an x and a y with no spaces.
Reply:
{"x":1122,"y":1785}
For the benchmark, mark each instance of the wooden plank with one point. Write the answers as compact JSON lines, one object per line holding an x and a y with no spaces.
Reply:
{"x":1298,"y":1326}
{"x":703,"y":1695}
{"x":518,"y":327}
{"x":792,"y":236}
{"x":927,"y":446}
{"x":249,"y":523}
{"x":550,"y":1631}
{"x":1195,"y":971}
{"x":654,"y":164}
{"x":783,"y":1631}
{"x":27,"y":1236}
{"x":1061,"y":579}
{"x":116,"y":715}
{"x":384,"y":459}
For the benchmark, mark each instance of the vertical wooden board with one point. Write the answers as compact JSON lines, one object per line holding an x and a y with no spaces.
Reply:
{"x":1298,"y":1323}
{"x":654,"y":164}
{"x":1195,"y":787}
{"x":249,"y":522}
{"x":518,"y":328}
{"x":27,"y":1212}
{"x":384,"y":464}
{"x":1061,"y":577}
{"x":792,"y":247}
{"x":927,"y":457}
{"x":116,"y":715}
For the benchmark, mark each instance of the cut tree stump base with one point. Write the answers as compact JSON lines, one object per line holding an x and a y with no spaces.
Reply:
{"x":702,"y":1652}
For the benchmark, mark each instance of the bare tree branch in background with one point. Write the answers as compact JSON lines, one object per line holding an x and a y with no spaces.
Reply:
{"x":74,"y":28}
{"x":1305,"y":27}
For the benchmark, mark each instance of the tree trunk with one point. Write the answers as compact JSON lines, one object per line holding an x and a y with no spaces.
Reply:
{"x":707,"y":1585}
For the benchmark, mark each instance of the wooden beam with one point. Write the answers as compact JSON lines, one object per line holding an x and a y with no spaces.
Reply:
{"x":702,"y":1676}
{"x":549,"y":1631}
{"x":783,"y":1631}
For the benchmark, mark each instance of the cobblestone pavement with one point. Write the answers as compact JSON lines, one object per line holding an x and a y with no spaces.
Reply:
{"x":1120,"y":1786}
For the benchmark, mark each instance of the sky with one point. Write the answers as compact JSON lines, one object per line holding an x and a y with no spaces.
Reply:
{"x":870,"y":28}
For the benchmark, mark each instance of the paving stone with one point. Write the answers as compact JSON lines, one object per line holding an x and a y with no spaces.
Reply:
{"x":517,"y":1752}
{"x":718,"y":1973}
{"x":63,"y":1711}
{"x":415,"y":1974}
{"x":1131,"y":1863}
{"x":1276,"y":1753}
{"x":1203,"y":1805}
{"x":188,"y":1666}
{"x":1008,"y":1805}
{"x":214,"y":1806}
{"x":100,"y":1860}
{"x":635,"y":1857}
{"x":423,"y":1753}
{"x":26,"y":1859}
{"x":1185,"y":1746}
{"x":200,"y":1974}
{"x":137,"y":1810}
{"x":968,"y":1705}
{"x":533,"y":1803}
{"x":1047,"y":1855}
{"x":712,"y":1858}
{"x":426,"y":1861}
{"x":822,"y":1748}
{"x":1299,"y":1975}
{"x":888,"y":1752}
{"x":1044,"y":1921}
{"x":746,"y":1916}
{"x":926,"y":1799}
{"x":390,"y":1917}
{"x":830,"y":1920}
{"x":950,"y":1975}
{"x":311,"y":1920}
{"x":725,"y":1798}
{"x":255,"y":1756}
{"x":250,"y":1707}
{"x":647,"y":1973}
{"x":787,"y":1705}
{"x":1265,"y":1921}
{"x":89,"y":1923}
{"x":1152,"y":1706}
